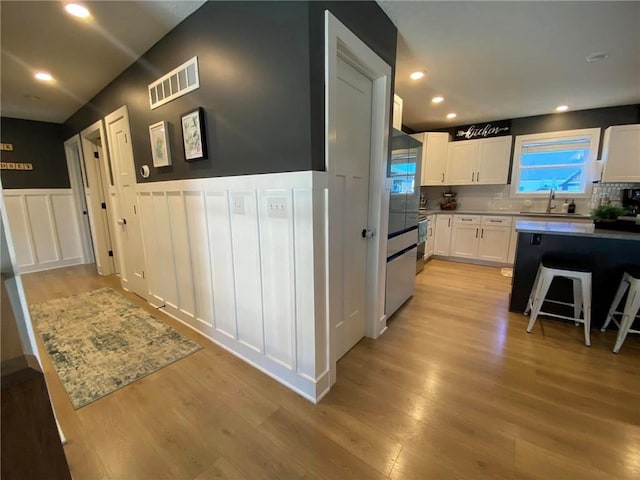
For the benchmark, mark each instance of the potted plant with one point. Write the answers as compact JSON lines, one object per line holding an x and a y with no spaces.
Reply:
{"x":607,"y":213}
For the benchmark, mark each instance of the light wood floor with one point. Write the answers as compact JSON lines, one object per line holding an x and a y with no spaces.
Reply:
{"x":455,"y":389}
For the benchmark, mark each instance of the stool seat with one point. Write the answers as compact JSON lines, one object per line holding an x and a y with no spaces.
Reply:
{"x":631,"y":282}
{"x":578,"y":270}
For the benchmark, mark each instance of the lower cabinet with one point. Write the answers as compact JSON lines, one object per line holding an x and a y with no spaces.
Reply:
{"x":442,"y":240}
{"x":481,"y":237}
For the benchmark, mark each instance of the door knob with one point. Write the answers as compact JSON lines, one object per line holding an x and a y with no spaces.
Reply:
{"x":122,"y":221}
{"x":366,"y":233}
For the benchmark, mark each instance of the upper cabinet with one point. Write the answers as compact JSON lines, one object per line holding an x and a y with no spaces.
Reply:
{"x":621,"y":154}
{"x":397,"y":112}
{"x":434,"y":157}
{"x":479,"y":162}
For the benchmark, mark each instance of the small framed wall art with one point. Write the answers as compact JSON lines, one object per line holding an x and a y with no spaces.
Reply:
{"x":193,"y":135}
{"x":160,"y":151}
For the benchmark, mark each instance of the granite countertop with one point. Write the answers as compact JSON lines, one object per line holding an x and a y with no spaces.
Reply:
{"x":510,"y":213}
{"x":572,"y":229}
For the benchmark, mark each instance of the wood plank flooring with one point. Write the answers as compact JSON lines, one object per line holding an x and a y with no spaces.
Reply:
{"x":455,"y":389}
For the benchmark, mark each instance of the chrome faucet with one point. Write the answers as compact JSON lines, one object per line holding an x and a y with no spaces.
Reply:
{"x":552,"y":196}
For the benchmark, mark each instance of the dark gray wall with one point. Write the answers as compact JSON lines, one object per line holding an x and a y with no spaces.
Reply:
{"x":39,"y":143}
{"x":371,"y":25}
{"x":261,"y":86}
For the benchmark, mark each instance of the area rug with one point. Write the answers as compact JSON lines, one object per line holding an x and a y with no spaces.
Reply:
{"x":99,"y":342}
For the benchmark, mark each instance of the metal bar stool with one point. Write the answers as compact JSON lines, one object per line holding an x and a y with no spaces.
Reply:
{"x":579,"y":271}
{"x":630,"y":281}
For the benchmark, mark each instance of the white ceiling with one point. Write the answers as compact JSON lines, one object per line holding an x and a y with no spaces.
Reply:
{"x":500,"y":60}
{"x":83,"y":56}
{"x":491,"y":60}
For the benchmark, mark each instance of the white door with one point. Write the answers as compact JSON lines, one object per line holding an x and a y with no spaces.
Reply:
{"x":353,"y":153}
{"x":128,"y":231}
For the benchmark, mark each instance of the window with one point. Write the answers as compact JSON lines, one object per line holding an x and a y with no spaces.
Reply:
{"x":561,"y":161}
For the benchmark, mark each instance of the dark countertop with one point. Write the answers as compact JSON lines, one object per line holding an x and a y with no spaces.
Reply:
{"x":509,"y":213}
{"x":573,"y":229}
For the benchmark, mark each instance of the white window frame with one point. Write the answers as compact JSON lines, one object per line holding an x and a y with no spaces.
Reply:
{"x":593,"y":134}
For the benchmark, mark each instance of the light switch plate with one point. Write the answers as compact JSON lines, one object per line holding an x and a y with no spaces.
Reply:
{"x":277,"y":207}
{"x":237,"y":204}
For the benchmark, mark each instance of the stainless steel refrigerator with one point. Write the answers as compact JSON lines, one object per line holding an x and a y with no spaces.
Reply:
{"x":404,"y":173}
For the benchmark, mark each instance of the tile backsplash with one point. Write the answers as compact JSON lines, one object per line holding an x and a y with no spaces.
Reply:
{"x":497,"y":197}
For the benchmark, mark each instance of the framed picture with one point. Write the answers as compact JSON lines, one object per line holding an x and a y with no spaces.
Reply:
{"x":160,"y":151}
{"x":193,"y":135}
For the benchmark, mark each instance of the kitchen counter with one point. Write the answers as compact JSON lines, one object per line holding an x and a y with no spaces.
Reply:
{"x":609,"y":252}
{"x":510,"y":213}
{"x":573,"y":230}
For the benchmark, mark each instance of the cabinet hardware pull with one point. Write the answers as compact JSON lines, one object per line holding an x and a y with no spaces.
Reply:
{"x":466,"y":219}
{"x":449,"y":221}
{"x":478,"y":177}
{"x":472,"y":175}
{"x":476,"y":233}
{"x":495,"y":221}
{"x":482,"y":233}
{"x":430,"y":231}
{"x":443,"y":178}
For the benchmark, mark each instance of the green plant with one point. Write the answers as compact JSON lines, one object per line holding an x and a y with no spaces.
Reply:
{"x":607,"y":212}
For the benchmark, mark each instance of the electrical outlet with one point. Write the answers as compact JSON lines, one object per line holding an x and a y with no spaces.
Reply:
{"x":237,"y":204}
{"x":277,"y":207}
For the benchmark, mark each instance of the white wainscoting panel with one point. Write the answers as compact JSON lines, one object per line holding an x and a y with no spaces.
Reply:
{"x":241,"y":260}
{"x":44,"y":228}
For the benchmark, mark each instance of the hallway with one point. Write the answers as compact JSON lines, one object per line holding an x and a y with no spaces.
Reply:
{"x":454,"y":389}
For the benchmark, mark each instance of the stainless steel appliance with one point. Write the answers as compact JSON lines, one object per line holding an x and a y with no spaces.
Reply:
{"x":402,"y":246}
{"x":423,"y":226}
{"x":631,"y":200}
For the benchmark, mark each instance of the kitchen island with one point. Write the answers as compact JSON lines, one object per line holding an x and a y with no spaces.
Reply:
{"x":610,"y":252}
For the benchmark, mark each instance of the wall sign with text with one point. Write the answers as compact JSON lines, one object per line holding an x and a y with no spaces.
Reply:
{"x":482,"y":130}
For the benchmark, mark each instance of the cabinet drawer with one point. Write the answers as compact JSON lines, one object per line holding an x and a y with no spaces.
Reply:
{"x":496,"y":220}
{"x":467,"y":219}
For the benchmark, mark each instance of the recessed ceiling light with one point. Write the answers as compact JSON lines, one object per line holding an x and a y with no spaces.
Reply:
{"x":562,"y":108}
{"x":437,"y":99}
{"x":77,"y":10}
{"x":43,"y":76}
{"x":451,"y":115}
{"x":594,"y":57}
{"x":416,"y":75}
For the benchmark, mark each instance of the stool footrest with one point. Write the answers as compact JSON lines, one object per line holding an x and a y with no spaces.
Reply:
{"x":564,"y":317}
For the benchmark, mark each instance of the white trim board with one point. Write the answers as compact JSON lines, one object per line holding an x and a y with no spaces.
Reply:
{"x":44,"y":228}
{"x":241,"y":260}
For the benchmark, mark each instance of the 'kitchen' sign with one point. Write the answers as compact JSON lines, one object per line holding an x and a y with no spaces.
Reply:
{"x":482,"y":130}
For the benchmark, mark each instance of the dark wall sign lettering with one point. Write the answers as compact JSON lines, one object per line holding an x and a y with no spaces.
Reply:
{"x":482,"y":130}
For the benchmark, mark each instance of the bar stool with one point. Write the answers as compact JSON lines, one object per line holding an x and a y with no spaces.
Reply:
{"x":630,"y":281}
{"x":576,"y":269}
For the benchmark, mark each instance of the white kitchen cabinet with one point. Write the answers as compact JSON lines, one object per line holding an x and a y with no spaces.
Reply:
{"x":442,"y":239}
{"x":481,"y":237}
{"x":621,"y":154}
{"x":493,"y":161}
{"x":479,"y":162}
{"x":397,"y":112}
{"x":431,"y":238}
{"x":495,"y":235}
{"x":434,"y":157}
{"x":461,"y":162}
{"x":465,"y":235}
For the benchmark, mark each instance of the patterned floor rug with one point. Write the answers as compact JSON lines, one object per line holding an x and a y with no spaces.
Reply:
{"x":99,"y":342}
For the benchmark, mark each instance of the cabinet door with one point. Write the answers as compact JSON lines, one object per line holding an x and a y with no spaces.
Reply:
{"x":431,"y":229}
{"x":494,"y":243}
{"x":461,"y":162}
{"x":493,"y":161}
{"x":442,"y":235}
{"x":621,"y":154}
{"x":434,"y":158}
{"x":464,"y":241}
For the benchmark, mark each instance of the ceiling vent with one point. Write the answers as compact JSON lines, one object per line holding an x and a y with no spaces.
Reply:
{"x":177,"y":82}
